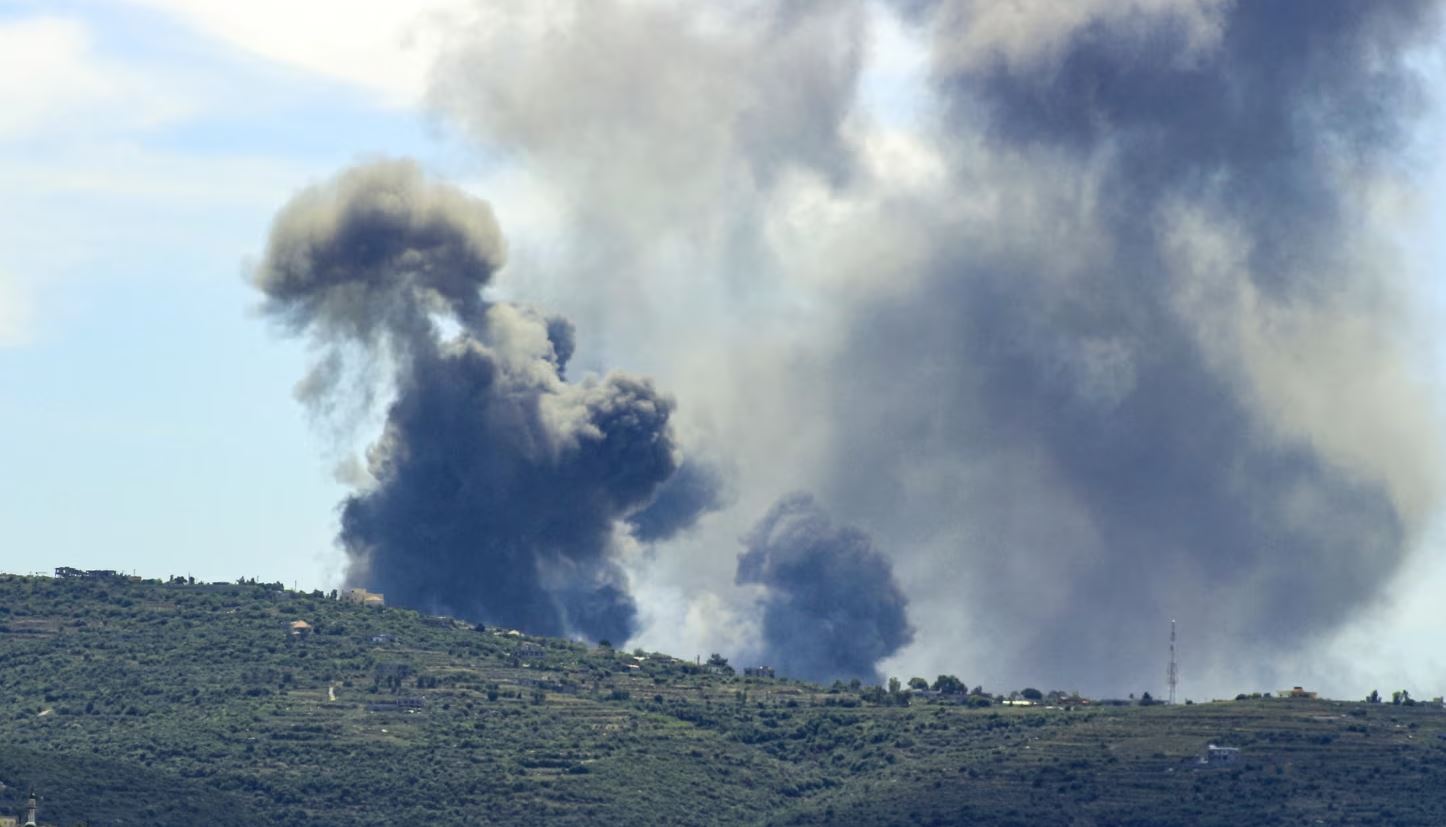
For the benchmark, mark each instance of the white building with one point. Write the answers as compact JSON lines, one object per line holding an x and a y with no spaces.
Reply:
{"x":1215,"y":756}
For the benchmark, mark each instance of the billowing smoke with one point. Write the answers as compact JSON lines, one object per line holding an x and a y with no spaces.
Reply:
{"x":1108,"y":326}
{"x":1151,"y":364}
{"x":497,"y":487}
{"x":831,"y":607}
{"x":696,"y":489}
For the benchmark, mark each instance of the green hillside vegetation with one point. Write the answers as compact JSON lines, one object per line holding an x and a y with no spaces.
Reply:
{"x":127,"y":703}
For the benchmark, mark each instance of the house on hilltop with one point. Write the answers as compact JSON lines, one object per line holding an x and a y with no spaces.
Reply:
{"x":65,"y":572}
{"x":363,"y":597}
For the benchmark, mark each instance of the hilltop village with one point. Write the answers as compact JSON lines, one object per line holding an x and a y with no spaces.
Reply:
{"x":233,"y":703}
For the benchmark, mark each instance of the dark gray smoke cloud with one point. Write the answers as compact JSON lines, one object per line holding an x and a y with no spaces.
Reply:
{"x":696,"y":489}
{"x":831,"y":607}
{"x":1155,"y":371}
{"x":498,"y":486}
{"x":1110,"y":326}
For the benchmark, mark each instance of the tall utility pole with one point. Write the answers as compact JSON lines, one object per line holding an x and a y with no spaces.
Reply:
{"x":1173,"y":673}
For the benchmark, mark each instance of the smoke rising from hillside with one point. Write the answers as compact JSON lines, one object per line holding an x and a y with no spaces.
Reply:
{"x":498,"y":486}
{"x":831,"y":607}
{"x":1159,"y":372}
{"x":1113,"y":329}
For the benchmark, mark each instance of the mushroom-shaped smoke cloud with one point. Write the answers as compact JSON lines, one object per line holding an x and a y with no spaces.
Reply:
{"x":499,"y":487}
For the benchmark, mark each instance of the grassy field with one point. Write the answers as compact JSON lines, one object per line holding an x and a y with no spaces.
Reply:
{"x":128,"y":703}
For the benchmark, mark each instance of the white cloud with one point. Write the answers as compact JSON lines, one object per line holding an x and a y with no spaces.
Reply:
{"x":383,"y":46}
{"x":52,"y":81}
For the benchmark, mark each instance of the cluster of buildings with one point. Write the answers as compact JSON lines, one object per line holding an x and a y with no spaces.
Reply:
{"x":66,"y":572}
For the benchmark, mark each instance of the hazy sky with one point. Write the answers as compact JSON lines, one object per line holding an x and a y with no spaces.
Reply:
{"x":147,"y":411}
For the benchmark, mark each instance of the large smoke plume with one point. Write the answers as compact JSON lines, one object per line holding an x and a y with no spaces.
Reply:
{"x":831,"y":607}
{"x":1111,"y":328}
{"x":1151,"y":364}
{"x":498,"y":488}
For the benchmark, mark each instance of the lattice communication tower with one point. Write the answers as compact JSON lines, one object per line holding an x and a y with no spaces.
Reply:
{"x":1173,"y":673}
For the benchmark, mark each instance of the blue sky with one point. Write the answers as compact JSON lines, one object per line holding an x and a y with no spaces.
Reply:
{"x":145,"y":413}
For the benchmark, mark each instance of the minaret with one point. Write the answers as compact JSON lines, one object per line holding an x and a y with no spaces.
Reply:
{"x":1173,"y":673}
{"x":30,"y":811}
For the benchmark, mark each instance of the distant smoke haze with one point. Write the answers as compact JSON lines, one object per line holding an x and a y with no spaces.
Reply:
{"x":1158,"y":369}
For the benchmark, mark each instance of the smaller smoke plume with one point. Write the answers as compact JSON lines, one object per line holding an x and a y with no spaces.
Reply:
{"x":832,"y":608}
{"x":498,"y":485}
{"x":696,"y":489}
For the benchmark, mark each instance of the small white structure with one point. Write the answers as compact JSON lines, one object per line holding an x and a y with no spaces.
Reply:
{"x":1218,"y":756}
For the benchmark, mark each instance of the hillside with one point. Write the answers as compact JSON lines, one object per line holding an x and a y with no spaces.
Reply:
{"x":128,"y":703}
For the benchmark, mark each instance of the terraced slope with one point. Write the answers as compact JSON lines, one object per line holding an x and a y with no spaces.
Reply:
{"x":128,"y":703}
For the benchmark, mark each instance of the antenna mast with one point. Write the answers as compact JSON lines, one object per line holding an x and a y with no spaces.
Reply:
{"x":1173,"y":673}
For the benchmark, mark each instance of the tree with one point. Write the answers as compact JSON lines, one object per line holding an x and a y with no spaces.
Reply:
{"x":894,"y":686}
{"x":949,"y":685}
{"x":1029,"y":693}
{"x":1146,"y":699}
{"x":1374,"y":697}
{"x":918,"y":684}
